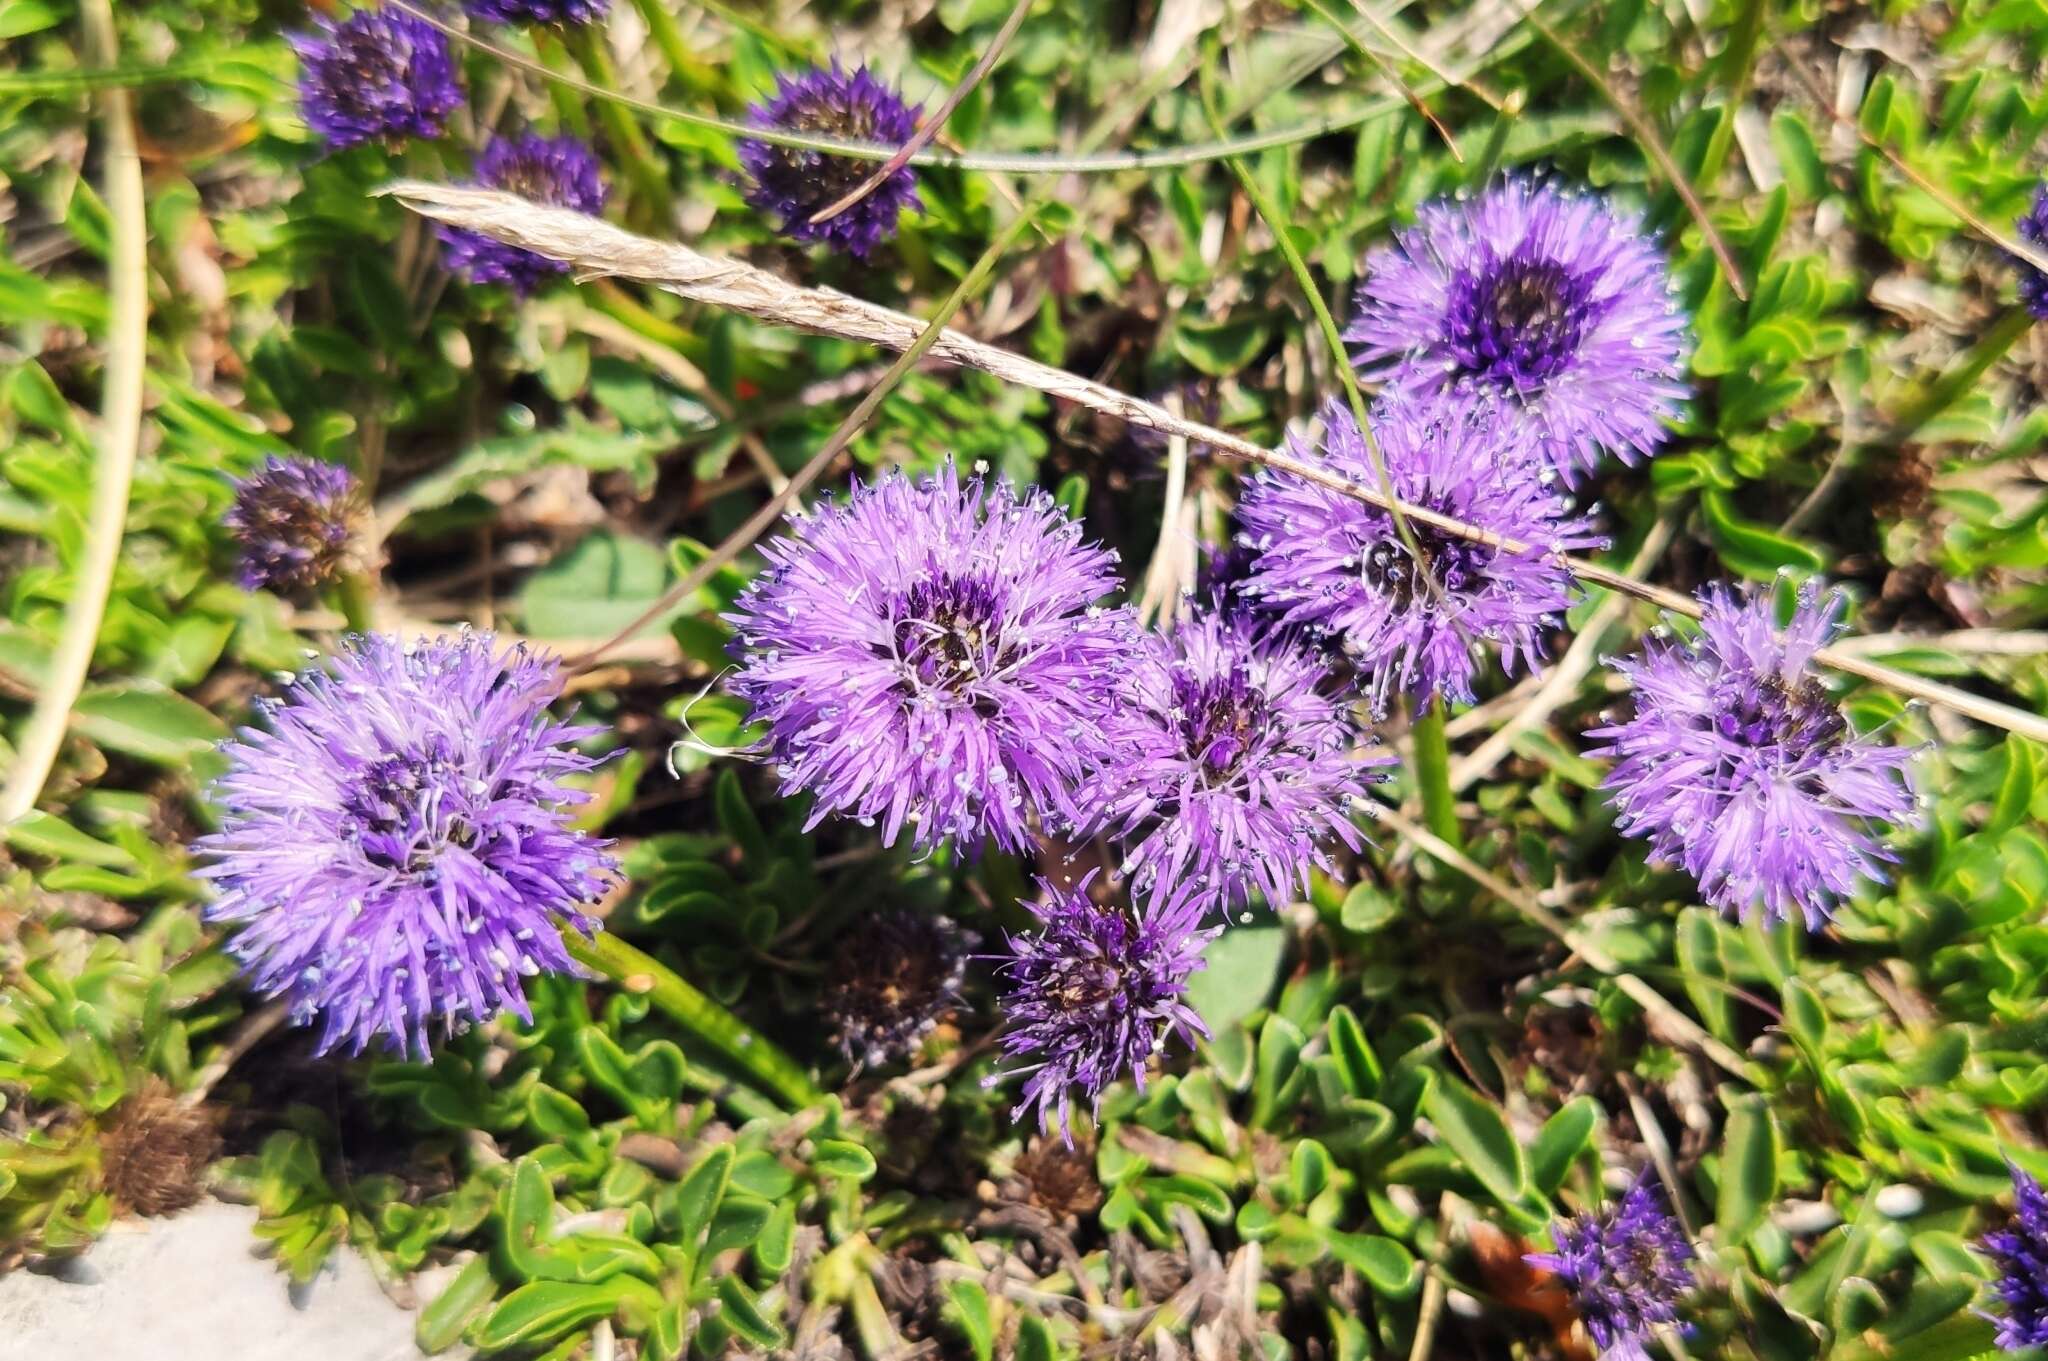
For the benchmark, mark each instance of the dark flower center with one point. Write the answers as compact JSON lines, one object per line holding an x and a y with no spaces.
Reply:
{"x":1520,"y":322}
{"x":949,"y":630}
{"x":1765,"y":711}
{"x":367,"y":68}
{"x":1389,"y":572}
{"x":819,"y":177}
{"x":399,"y":811}
{"x":528,"y":177}
{"x":1082,"y":984}
{"x":1219,"y":718}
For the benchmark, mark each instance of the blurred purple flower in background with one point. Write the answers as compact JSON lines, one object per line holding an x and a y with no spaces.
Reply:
{"x":376,"y":74}
{"x":791,"y":184}
{"x":1625,"y":1266}
{"x":294,"y":520}
{"x":559,"y":171}
{"x":394,"y":849}
{"x":1334,"y":564}
{"x":1234,"y":766}
{"x":1091,"y":994}
{"x":1548,"y":301}
{"x":2021,"y":1254}
{"x":1739,"y":766}
{"x":537,"y":11}
{"x":931,"y":654}
{"x":2033,"y":229}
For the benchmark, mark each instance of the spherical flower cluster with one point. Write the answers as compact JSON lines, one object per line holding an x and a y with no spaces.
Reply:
{"x":2020,"y":1252}
{"x":792,"y":184}
{"x":931,"y":654}
{"x":1739,"y":766}
{"x":380,"y":73}
{"x":1335,"y":565}
{"x":1624,"y":1267}
{"x":559,"y":171}
{"x":1550,"y":302}
{"x":1091,"y":995}
{"x":2033,"y":229}
{"x":294,"y":521}
{"x":1235,"y":765}
{"x":394,"y":848}
{"x":881,"y":999}
{"x":537,"y":11}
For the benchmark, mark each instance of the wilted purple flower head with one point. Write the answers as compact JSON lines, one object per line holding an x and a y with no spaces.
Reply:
{"x":537,"y":11}
{"x":1739,"y":766}
{"x":559,"y":171}
{"x":294,"y":519}
{"x":1334,"y":564}
{"x":791,"y":184}
{"x":930,"y":653}
{"x":1551,"y":302}
{"x":394,"y":847}
{"x":377,"y":73}
{"x":2033,"y":229}
{"x":1624,"y":1266}
{"x":1235,"y":766}
{"x":1091,"y":995}
{"x":2021,"y":1254}
{"x":882,"y":997}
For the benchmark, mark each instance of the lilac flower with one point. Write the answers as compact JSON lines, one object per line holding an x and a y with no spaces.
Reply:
{"x":394,"y":848}
{"x":294,"y":519}
{"x":791,"y":184}
{"x":1335,"y":565}
{"x":1625,"y":1267}
{"x":2021,"y":1254}
{"x":1553,"y":303}
{"x":537,"y":11}
{"x":560,"y":171}
{"x":2033,"y":229}
{"x":377,"y":74}
{"x":1234,"y":766}
{"x":881,"y":999}
{"x":1091,"y":995}
{"x":1738,"y":766}
{"x":930,"y":653}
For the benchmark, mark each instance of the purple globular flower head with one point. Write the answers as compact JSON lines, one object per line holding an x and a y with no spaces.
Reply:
{"x":559,"y":171}
{"x":1235,"y":766}
{"x":570,"y":12}
{"x":2020,"y":1252}
{"x":394,"y":847}
{"x":930,"y":654}
{"x":380,"y":73}
{"x":1091,"y":994}
{"x":1739,"y":766}
{"x":1335,"y":565}
{"x":2033,"y":229}
{"x":1624,"y":1267}
{"x":1553,"y":303}
{"x":791,"y":184}
{"x":295,"y":522}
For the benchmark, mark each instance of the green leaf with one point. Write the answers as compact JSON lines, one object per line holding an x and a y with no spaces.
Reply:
{"x":738,"y":819}
{"x":1354,"y":1054}
{"x":1034,"y":1340}
{"x":1749,"y":1170}
{"x":1308,"y":1170}
{"x":442,"y":1321}
{"x":1563,"y":1137}
{"x":697,"y":1198}
{"x":1279,"y":1060}
{"x":1221,"y":348}
{"x":1368,"y":908}
{"x":967,"y":1308}
{"x":1479,"y":1135}
{"x":540,"y":1311}
{"x":776,"y":1247}
{"x":597,"y":588}
{"x":42,"y":834}
{"x":2016,"y":787}
{"x":1748,"y":547}
{"x":839,"y":1158}
{"x":1241,"y":966}
{"x":1387,"y":1266}
{"x":526,"y":1209}
{"x":155,"y":725}
{"x":742,"y":1313}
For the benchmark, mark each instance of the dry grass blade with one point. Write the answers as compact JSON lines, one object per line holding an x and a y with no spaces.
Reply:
{"x":936,"y":122}
{"x":120,"y":431}
{"x":597,"y":249}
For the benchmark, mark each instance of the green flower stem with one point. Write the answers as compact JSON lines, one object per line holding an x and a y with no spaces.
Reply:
{"x":354,"y":594}
{"x":1431,"y":755}
{"x":650,"y":181}
{"x":639,"y":972}
{"x":1941,"y":394}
